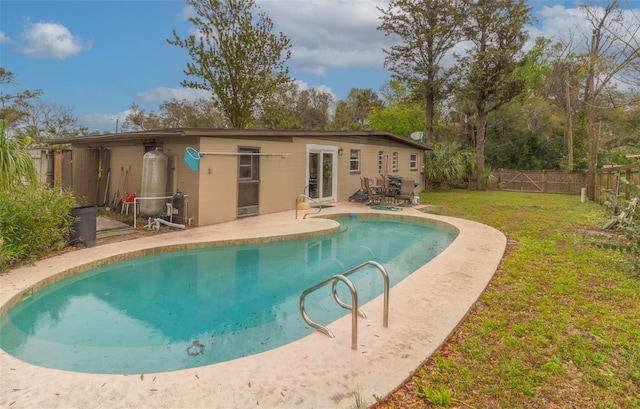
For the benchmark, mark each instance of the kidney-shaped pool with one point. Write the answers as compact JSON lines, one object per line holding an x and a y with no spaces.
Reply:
{"x":190,"y":308}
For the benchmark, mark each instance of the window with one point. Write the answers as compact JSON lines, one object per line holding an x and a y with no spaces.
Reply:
{"x":248,"y":164}
{"x":394,"y":161}
{"x":354,"y":160}
{"x":413,"y":161}
{"x":380,"y":159}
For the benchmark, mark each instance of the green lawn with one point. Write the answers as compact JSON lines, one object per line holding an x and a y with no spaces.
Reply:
{"x":557,"y":327}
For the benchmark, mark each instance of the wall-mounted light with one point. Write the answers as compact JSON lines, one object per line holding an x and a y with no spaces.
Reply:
{"x":340,"y":150}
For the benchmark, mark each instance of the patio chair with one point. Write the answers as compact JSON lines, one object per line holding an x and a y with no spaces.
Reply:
{"x":406,"y":190}
{"x":373,"y":195}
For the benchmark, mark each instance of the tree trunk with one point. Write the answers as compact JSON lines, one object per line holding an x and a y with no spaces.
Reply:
{"x":480,"y":139}
{"x":590,"y":99}
{"x":429,"y":117}
{"x":569,"y":121}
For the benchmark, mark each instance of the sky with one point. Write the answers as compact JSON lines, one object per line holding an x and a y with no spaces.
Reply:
{"x":98,"y":57}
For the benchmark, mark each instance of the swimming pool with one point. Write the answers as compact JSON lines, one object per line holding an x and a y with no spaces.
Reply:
{"x":197,"y":307}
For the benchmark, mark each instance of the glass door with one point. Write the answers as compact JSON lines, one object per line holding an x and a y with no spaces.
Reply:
{"x":321,"y":175}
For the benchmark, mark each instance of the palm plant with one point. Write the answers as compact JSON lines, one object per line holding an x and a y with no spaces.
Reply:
{"x":16,"y":166}
{"x":448,"y":164}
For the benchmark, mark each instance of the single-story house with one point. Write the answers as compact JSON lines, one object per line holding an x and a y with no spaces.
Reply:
{"x":230,"y":173}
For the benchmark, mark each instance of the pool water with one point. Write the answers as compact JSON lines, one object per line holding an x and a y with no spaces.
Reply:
{"x":197,"y":307}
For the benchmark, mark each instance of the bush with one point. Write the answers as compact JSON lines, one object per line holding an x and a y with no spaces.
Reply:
{"x":448,"y":164}
{"x":33,"y":222}
{"x":629,"y":225}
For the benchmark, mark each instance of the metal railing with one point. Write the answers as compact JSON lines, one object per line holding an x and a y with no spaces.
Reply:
{"x":333,"y":280}
{"x":303,"y":196}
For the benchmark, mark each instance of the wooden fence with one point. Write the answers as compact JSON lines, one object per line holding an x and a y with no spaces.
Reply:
{"x":542,"y":181}
{"x":608,"y":181}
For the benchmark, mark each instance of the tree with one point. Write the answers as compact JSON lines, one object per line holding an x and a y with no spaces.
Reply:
{"x":235,"y":56}
{"x":12,"y":106}
{"x":16,"y":166}
{"x":401,"y":114}
{"x":429,"y":30}
{"x":46,"y":120}
{"x":200,"y":113}
{"x":400,"y":119}
{"x":490,"y":66}
{"x":137,"y":119}
{"x":353,"y":112}
{"x":613,"y":60}
{"x":313,"y":108}
{"x":174,"y":113}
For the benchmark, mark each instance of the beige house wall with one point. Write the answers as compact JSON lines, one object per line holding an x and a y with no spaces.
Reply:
{"x":283,"y":178}
{"x":280,"y":177}
{"x":127,"y":164}
{"x":349,"y":181}
{"x":212,"y":190}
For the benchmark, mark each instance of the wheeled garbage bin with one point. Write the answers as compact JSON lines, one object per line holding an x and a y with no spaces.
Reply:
{"x":83,"y":231}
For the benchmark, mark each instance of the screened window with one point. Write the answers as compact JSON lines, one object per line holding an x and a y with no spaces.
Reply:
{"x":413,"y":161}
{"x":248,"y":165}
{"x":394,"y":161}
{"x":354,"y":160}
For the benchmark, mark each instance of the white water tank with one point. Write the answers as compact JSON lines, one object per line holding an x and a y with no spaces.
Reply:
{"x":154,"y":182}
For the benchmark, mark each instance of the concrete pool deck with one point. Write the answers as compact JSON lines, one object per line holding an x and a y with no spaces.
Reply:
{"x":313,"y":372}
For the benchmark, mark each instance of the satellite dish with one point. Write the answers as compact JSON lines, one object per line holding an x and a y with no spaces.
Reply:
{"x":417,"y":136}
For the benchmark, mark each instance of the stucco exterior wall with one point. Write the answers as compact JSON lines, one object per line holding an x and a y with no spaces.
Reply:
{"x":212,"y":190}
{"x":283,"y":178}
{"x":349,"y":181}
{"x":127,"y":164}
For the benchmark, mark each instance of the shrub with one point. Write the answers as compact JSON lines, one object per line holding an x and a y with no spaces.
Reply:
{"x":16,"y":166}
{"x":33,"y":222}
{"x":448,"y":164}
{"x":629,"y":225}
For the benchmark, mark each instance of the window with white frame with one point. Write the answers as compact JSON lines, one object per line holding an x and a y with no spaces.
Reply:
{"x":354,"y":160}
{"x":413,"y":161}
{"x":394,"y":161}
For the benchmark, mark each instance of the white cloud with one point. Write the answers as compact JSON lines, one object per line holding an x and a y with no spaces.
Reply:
{"x":322,"y":88}
{"x":104,"y":122}
{"x":161,"y":94}
{"x":51,"y":40}
{"x":325,"y":34}
{"x":4,"y":38}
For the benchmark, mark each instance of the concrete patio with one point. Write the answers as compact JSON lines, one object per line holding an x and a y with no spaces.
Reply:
{"x":313,"y":372}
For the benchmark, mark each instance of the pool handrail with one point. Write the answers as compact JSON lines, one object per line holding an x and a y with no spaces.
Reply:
{"x":385,"y":278}
{"x":302,"y":195}
{"x":354,"y":309}
{"x":354,"y":296}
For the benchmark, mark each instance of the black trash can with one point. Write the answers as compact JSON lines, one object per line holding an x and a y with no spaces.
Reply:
{"x":83,"y":231}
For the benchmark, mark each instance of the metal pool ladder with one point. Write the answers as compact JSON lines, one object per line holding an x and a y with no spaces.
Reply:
{"x":333,"y":280}
{"x":303,"y":196}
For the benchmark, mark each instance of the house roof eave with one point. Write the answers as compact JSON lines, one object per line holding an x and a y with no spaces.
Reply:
{"x":93,"y":140}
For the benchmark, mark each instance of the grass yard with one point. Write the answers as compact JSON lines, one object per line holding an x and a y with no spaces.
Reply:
{"x":557,"y":327}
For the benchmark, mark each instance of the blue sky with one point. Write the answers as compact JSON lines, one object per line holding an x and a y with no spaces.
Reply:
{"x":99,"y":57}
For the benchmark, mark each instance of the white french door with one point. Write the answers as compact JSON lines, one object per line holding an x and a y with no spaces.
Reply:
{"x":322,"y":175}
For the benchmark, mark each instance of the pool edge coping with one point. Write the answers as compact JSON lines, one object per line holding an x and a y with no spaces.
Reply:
{"x":244,"y":395}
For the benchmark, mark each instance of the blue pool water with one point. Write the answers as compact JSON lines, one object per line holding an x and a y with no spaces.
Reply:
{"x":191,"y":308}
